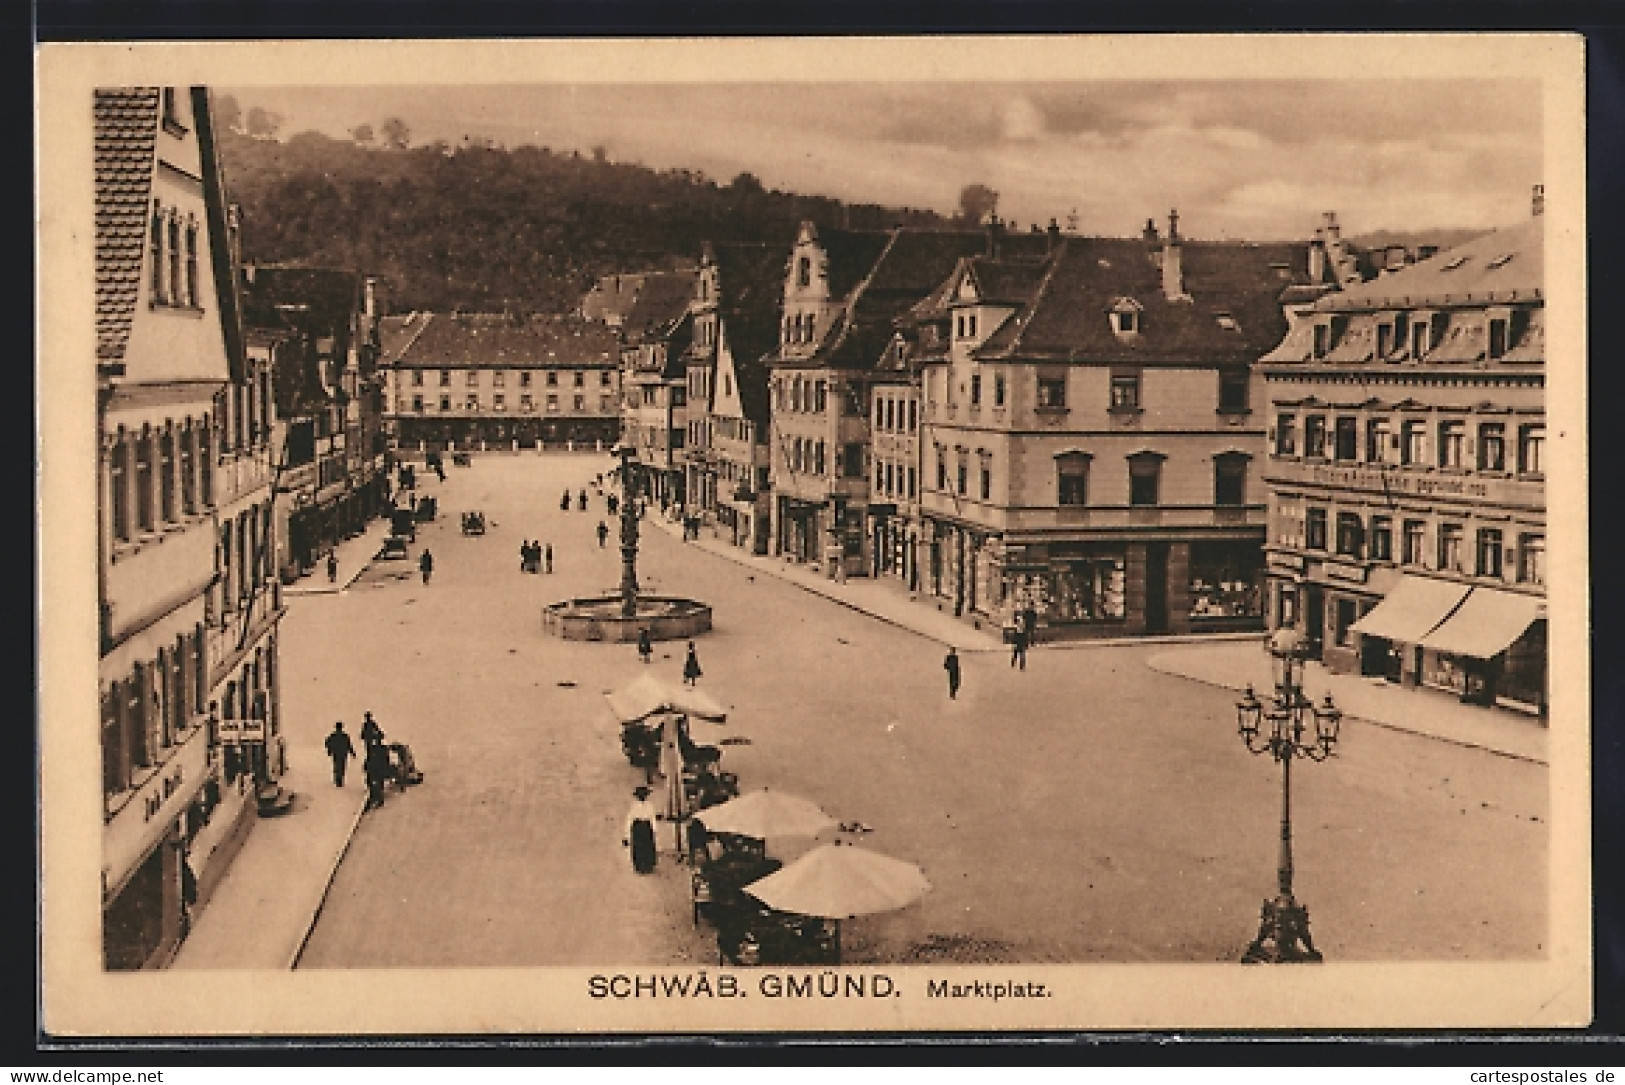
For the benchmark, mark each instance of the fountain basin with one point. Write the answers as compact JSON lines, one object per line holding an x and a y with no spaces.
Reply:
{"x":599,"y":618}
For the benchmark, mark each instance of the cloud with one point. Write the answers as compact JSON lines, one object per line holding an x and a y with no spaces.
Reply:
{"x":1021,"y":121}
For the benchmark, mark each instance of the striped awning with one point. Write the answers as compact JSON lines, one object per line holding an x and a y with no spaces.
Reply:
{"x":1486,"y":624}
{"x":1413,"y":609}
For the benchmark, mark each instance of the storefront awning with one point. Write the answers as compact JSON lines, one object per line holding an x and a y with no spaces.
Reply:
{"x":1412,"y":610}
{"x":1485,"y":624}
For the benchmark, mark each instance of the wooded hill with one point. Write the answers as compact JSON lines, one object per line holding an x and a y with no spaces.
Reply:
{"x":489,"y":228}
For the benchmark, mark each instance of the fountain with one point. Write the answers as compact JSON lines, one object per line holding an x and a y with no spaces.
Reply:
{"x":622,"y":616}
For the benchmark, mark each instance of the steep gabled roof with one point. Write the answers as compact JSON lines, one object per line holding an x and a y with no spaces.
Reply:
{"x":662,"y":300}
{"x":126,"y":133}
{"x":751,"y":280}
{"x":1006,"y":281}
{"x":851,"y":256}
{"x":441,"y":341}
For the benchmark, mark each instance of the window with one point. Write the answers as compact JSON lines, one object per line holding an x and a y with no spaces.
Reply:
{"x":818,"y":457}
{"x":1346,"y":438}
{"x":1051,"y":393}
{"x":445,"y":378}
{"x":1452,"y":441}
{"x":820,"y":396}
{"x":964,"y":475}
{"x":1286,"y":435}
{"x":524,"y":379}
{"x":606,"y":403}
{"x":552,"y":402}
{"x":1531,"y":559}
{"x":854,"y":460}
{"x":976,"y":390}
{"x":1377,"y":440}
{"x":417,"y":404}
{"x":1144,"y":476}
{"x":1413,"y":444}
{"x":970,"y":325}
{"x":987,"y":479}
{"x":157,"y":247}
{"x":1342,"y":620}
{"x":1498,"y":337}
{"x":417,"y":378}
{"x":143,"y":483}
{"x":1531,"y":449}
{"x":174,"y":290}
{"x":1314,"y":529}
{"x":942,"y":469}
{"x":1382,"y":539}
{"x":913,"y":415}
{"x":1450,"y":548}
{"x":498,"y":401}
{"x":119,"y":478}
{"x":445,"y":403}
{"x":473,"y":403}
{"x":605,"y":380}
{"x":1489,"y":552}
{"x":580,"y":403}
{"x":188,"y":442}
{"x":1125,"y":320}
{"x":880,"y":413}
{"x":1072,"y":478}
{"x":1492,"y":447}
{"x":1420,"y":339}
{"x":1413,"y":541}
{"x":803,"y":272}
{"x":552,"y":379}
{"x":1385,"y":337}
{"x":1233,"y":390}
{"x":499,"y":378}
{"x":998,"y":390}
{"x":1314,"y":436}
{"x":192,"y":298}
{"x":1349,"y":532}
{"x":911,"y":481}
{"x":166,"y":475}
{"x":1125,"y":394}
{"x":1230,"y":479}
{"x":1323,"y":339}
{"x":581,"y":380}
{"x":472,"y":379}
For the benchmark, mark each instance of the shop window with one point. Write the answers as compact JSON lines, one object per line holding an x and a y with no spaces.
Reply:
{"x":1314,"y":437}
{"x":1144,"y":478}
{"x":1226,"y":580}
{"x":1233,"y":390}
{"x":1531,"y":559}
{"x":1450,"y":548}
{"x":1344,"y":615}
{"x":1314,"y":529}
{"x":1286,"y":435}
{"x":1492,"y":451}
{"x":1125,"y":392}
{"x":1349,"y":532}
{"x":1087,"y":588}
{"x":1230,"y":479}
{"x":1345,"y":438}
{"x":1489,"y":553}
{"x":1452,"y":443}
{"x":1051,"y":393}
{"x":1381,"y":546}
{"x":1072,"y":478}
{"x":1378,"y":438}
{"x":1531,"y":450}
{"x":1413,"y":444}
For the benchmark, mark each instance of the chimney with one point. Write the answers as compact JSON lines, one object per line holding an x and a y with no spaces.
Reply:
{"x":370,"y":298}
{"x":1317,"y":258}
{"x":1054,"y":234}
{"x":1150,"y":235}
{"x":995,"y":229}
{"x":1334,"y":232}
{"x":1537,"y":201}
{"x":1173,"y":278}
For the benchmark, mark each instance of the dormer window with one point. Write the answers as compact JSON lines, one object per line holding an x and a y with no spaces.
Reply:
{"x":1499,"y":328}
{"x":804,"y":271}
{"x":1125,"y":317}
{"x":1323,"y":339}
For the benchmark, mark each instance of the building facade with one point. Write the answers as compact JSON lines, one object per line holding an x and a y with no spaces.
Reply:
{"x":169,"y":357}
{"x":1406,"y":473}
{"x":655,"y":338}
{"x":497,"y":382}
{"x":1089,"y":438}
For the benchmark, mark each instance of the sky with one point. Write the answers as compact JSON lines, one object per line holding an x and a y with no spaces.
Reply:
{"x":1257,"y":159}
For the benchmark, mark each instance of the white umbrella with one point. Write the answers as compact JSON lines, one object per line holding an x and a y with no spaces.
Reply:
{"x":647,"y":696}
{"x":764,"y":813}
{"x":836,"y":881}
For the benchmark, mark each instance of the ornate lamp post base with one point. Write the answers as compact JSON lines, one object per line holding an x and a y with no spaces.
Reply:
{"x":1283,"y":935}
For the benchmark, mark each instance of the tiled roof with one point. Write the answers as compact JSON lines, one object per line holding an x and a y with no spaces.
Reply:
{"x":126,"y":131}
{"x":1007,"y":280}
{"x":489,"y":339}
{"x":395,"y":334}
{"x":611,"y":298}
{"x":1229,"y":283}
{"x":1505,"y":265}
{"x":662,"y":300}
{"x":850,"y":256}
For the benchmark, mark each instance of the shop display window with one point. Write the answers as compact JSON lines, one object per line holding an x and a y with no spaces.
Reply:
{"x":1226,"y":581}
{"x":1083,"y":589}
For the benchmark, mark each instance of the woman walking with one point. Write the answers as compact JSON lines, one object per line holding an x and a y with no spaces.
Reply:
{"x":640,"y":831}
{"x":691,"y":667}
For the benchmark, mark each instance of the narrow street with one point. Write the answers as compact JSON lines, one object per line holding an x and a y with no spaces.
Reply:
{"x":1086,"y":810}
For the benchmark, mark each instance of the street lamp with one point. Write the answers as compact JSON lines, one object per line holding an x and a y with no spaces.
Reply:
{"x":1289,"y":726}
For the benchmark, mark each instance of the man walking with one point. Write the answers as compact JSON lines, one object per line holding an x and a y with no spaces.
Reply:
{"x":340,"y":749}
{"x":332,"y":566}
{"x":549,"y":553}
{"x":1018,"y":647}
{"x":603,"y":533}
{"x":426,"y":565}
{"x":645,"y":647}
{"x":376,"y":767}
{"x":951,"y":665}
{"x":370,"y":731}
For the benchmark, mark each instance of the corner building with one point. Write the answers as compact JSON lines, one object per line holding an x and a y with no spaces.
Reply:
{"x":1407,"y":522}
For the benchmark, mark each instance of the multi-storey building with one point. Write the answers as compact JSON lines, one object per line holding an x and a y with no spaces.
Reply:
{"x":842,"y":292}
{"x":655,"y":336}
{"x":499,"y":382}
{"x":736,"y":321}
{"x":168,"y":353}
{"x":318,"y":328}
{"x":1407,"y":531}
{"x":1089,"y":435}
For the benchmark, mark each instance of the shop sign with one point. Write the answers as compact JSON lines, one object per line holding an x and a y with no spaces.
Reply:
{"x":142,"y":821}
{"x":1353,"y":574}
{"x":241,"y":730}
{"x":1408,"y":482}
{"x":1290,"y":563}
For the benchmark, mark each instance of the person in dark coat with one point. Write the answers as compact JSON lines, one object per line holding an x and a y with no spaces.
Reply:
{"x":524,"y":556}
{"x":613,"y":503}
{"x":640,"y":831}
{"x":340,"y":749}
{"x":564,"y":502}
{"x":370,"y":731}
{"x":378,"y":770}
{"x":951,"y":665}
{"x":603,"y":534}
{"x":426,"y":565}
{"x":691,"y":666}
{"x":332,"y":566}
{"x":1018,"y":647}
{"x":645,"y":647}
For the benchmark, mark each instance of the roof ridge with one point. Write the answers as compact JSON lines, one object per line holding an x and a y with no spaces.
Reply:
{"x":412,"y":342}
{"x":850,"y":305}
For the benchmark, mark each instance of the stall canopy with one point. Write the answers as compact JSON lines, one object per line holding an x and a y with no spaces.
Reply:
{"x":1486,"y":624}
{"x":1412,"y":610}
{"x":646,"y":696}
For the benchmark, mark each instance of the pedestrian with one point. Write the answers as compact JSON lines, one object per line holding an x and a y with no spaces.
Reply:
{"x":614,"y":504}
{"x":1018,"y":647}
{"x":377,"y":769}
{"x":426,"y":565}
{"x":640,"y":831}
{"x":370,"y":731}
{"x":951,"y":665}
{"x":645,"y":648}
{"x":583,"y":502}
{"x":332,"y":566}
{"x":524,"y":556}
{"x":603,"y":534}
{"x":691,"y":666}
{"x":564,"y":502}
{"x":549,"y":557}
{"x":340,"y":749}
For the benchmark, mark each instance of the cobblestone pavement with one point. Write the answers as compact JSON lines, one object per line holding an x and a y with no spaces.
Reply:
{"x":1087,"y":809}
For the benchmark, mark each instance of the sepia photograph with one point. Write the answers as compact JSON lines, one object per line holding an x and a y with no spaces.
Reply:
{"x":810,"y":534}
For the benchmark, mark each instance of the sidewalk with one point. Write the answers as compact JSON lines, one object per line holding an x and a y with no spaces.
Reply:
{"x":354,"y":557}
{"x":1418,"y":711}
{"x":884,"y":599}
